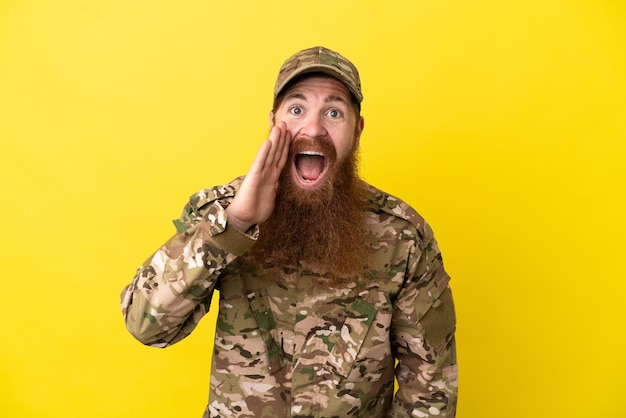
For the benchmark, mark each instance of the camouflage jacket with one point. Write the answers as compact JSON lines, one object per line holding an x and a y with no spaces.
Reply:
{"x":288,"y":348}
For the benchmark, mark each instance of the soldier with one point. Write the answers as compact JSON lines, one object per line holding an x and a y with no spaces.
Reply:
{"x":328,"y":287}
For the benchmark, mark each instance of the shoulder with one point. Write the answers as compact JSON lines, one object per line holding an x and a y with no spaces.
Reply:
{"x":209,"y":195}
{"x":383,"y":204}
{"x":199,"y":203}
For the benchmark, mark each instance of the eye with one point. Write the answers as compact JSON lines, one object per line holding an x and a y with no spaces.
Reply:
{"x":334,"y":113}
{"x":295,"y":110}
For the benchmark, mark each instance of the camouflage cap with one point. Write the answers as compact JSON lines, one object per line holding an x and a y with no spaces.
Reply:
{"x":320,"y":59}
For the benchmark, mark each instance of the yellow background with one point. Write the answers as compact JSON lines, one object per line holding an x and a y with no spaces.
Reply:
{"x":503,"y":123}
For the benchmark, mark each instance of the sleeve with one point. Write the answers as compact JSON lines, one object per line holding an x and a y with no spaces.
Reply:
{"x":422,"y":337}
{"x":172,"y":290}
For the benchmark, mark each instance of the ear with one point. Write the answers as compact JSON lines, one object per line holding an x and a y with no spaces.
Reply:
{"x":272,"y":121}
{"x":360,"y":125}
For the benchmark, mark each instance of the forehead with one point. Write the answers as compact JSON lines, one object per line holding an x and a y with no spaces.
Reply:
{"x":324,"y":87}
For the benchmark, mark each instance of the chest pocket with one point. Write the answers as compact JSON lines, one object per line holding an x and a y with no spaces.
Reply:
{"x":352,"y":339}
{"x":357,"y":350}
{"x":262,"y":312}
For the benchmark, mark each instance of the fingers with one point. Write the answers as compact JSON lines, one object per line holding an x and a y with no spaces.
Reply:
{"x":260,"y":161}
{"x":274,"y":140}
{"x":272,"y":155}
{"x":282,"y":150}
{"x":280,"y":138}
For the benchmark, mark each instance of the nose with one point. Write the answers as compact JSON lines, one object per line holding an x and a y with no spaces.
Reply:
{"x":313,"y":126}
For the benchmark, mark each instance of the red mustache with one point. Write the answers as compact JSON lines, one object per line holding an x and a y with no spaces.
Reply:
{"x":320,"y":145}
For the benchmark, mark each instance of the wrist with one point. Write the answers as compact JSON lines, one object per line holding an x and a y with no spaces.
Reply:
{"x":236,"y":223}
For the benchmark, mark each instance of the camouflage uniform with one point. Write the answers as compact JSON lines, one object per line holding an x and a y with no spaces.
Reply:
{"x":290,"y":347}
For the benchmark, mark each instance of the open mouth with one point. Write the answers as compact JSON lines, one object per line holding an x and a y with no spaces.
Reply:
{"x":310,"y":167}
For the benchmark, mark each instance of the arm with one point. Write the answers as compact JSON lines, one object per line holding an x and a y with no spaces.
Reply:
{"x":172,"y":290}
{"x":423,"y":338}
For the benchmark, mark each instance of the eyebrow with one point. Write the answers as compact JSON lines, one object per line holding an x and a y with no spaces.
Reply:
{"x":335,"y":98}
{"x":295,"y":96}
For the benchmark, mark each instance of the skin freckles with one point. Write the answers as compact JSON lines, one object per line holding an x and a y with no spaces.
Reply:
{"x":320,"y":108}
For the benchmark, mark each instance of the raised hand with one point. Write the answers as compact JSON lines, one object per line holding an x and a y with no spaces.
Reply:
{"x":254,"y":201}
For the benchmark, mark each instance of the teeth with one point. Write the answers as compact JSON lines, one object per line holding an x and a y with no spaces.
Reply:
{"x":319,"y":154}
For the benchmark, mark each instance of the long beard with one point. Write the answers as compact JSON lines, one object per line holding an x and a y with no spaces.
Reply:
{"x":321,"y":230}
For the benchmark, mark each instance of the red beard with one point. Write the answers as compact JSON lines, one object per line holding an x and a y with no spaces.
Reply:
{"x":320,"y":229}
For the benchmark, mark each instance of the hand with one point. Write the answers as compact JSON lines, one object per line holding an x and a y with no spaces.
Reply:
{"x":254,"y":202}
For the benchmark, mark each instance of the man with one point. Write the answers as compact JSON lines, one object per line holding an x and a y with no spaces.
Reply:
{"x":325,"y":282}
